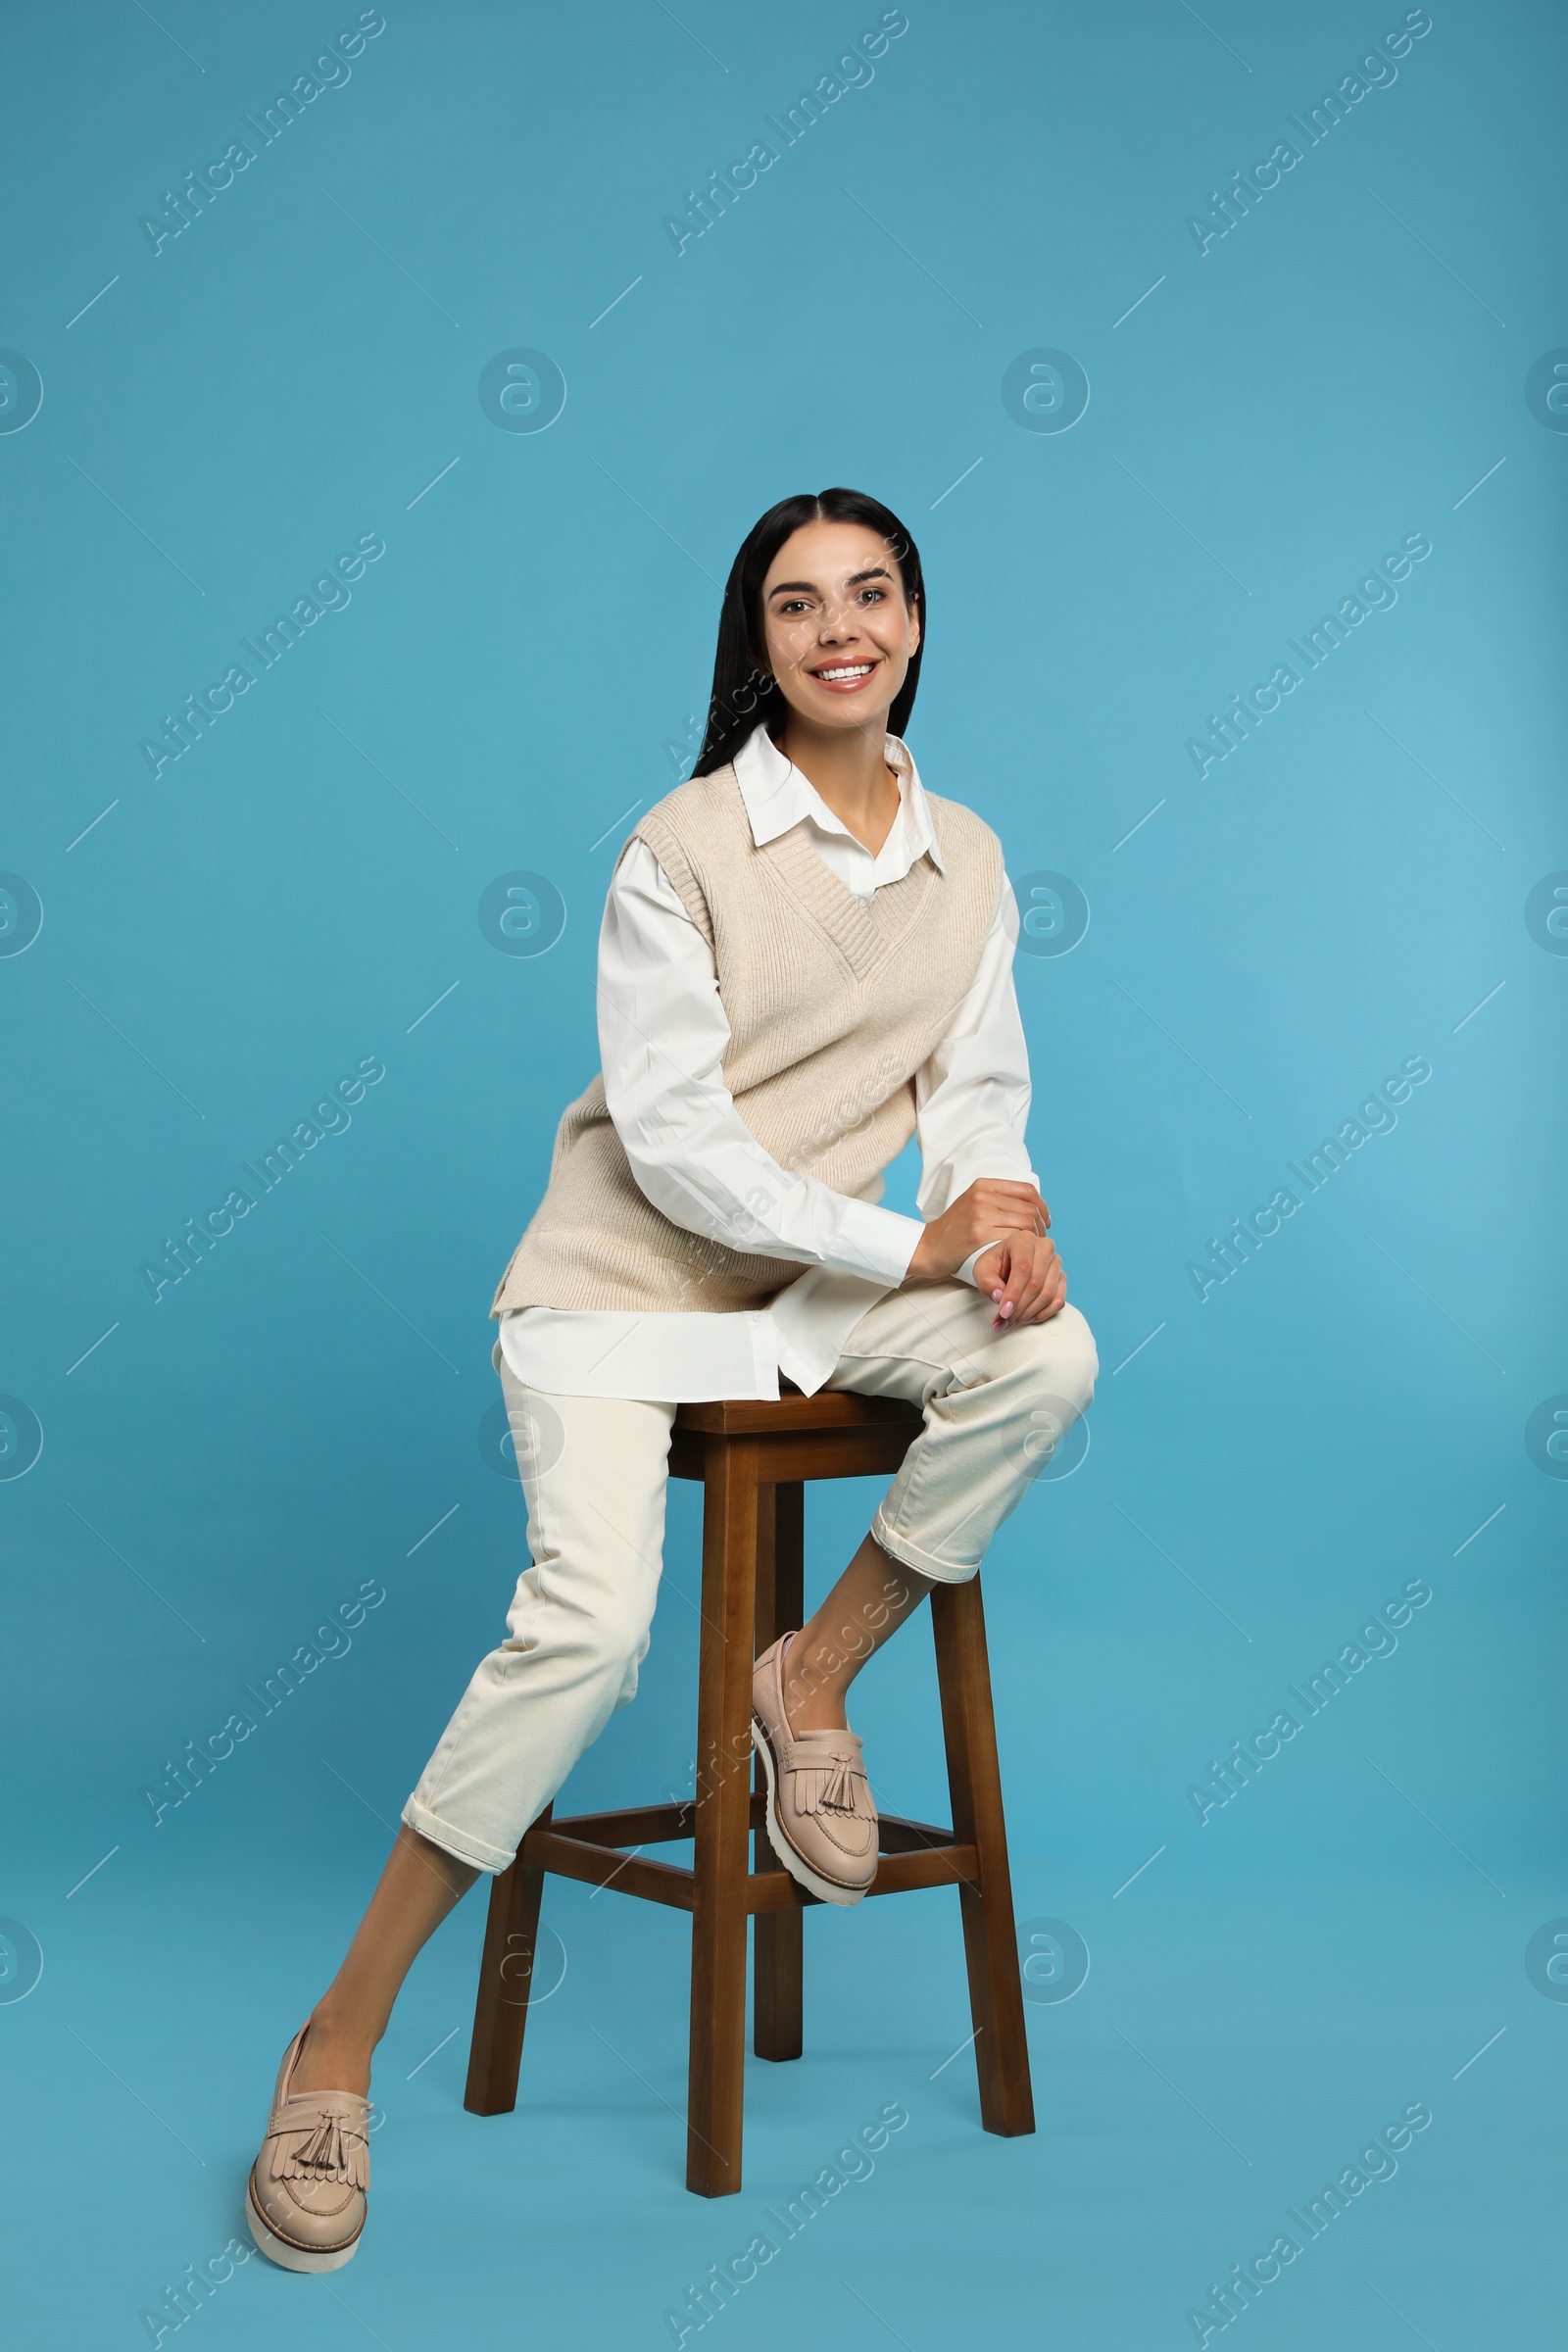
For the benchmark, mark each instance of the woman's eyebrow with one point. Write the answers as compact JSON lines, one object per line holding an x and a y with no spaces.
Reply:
{"x":878,"y":572}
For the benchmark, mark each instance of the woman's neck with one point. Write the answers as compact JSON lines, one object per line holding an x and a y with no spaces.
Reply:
{"x":847,"y":767}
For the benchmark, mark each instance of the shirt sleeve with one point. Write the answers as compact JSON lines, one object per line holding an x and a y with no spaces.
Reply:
{"x":663,"y":1036}
{"x":972,"y":1095}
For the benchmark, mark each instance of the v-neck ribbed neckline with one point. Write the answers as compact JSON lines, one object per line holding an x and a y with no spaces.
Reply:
{"x":864,"y":932}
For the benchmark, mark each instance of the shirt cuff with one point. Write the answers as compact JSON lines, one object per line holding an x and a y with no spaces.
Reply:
{"x":966,"y":1272}
{"x":876,"y":1244}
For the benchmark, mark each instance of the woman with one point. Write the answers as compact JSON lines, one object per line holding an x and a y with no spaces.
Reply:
{"x":805,"y":959}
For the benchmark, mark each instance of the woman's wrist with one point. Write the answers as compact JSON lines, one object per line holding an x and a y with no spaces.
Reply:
{"x":932,"y":1261}
{"x":932,"y":1268}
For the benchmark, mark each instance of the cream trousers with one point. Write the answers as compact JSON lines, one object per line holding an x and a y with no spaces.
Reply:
{"x":594,"y":1471}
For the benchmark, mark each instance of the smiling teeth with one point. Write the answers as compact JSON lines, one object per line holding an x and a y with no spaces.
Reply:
{"x":853,"y":670}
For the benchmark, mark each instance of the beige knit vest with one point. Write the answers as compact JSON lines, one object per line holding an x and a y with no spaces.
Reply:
{"x":832,"y":1006}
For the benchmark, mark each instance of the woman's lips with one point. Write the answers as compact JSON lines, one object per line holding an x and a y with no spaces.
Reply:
{"x":843,"y":677}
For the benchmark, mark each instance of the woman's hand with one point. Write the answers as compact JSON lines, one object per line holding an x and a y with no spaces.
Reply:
{"x":993,"y":1206}
{"x":1024,"y":1279}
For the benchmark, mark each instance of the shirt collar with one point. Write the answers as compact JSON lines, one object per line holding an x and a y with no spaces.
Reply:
{"x":777,"y":796}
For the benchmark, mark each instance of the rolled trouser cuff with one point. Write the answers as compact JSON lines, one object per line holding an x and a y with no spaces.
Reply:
{"x":457,"y":1842}
{"x":926,"y":1563}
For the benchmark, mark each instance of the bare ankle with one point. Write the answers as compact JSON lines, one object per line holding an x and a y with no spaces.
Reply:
{"x":329,"y":2023}
{"x":335,"y":2056}
{"x":813,"y":1698}
{"x":823,"y":1712}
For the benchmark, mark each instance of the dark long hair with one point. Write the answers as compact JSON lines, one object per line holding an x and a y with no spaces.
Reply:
{"x":742,"y":691}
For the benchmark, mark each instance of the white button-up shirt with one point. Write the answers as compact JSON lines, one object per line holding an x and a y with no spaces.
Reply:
{"x":656,"y":978}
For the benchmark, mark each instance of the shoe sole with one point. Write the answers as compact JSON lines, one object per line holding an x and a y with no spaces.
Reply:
{"x":826,"y":1889}
{"x":287,"y":2255}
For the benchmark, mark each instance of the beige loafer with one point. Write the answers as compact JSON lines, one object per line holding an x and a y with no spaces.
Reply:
{"x":306,"y":2199}
{"x":821,"y":1820}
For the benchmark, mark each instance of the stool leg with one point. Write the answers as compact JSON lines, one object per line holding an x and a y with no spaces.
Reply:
{"x":778,"y":1953}
{"x":714,"y":2105}
{"x":990,"y":1938}
{"x":506,"y":1978}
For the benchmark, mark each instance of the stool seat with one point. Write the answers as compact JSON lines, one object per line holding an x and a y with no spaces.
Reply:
{"x":753,"y":1457}
{"x":829,"y":1408}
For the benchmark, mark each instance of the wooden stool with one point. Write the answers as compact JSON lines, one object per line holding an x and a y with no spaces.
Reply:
{"x":752,"y":1458}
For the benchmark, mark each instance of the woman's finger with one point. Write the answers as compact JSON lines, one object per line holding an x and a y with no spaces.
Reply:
{"x":1043,"y":1272}
{"x":1021,"y":1283}
{"x":992,"y":1193}
{"x":1005,"y":1289}
{"x":1005,"y":1218}
{"x":1050,"y":1303}
{"x":1034,"y":1291}
{"x":993,"y":1231}
{"x":1050,"y":1295}
{"x":1008,"y":1184}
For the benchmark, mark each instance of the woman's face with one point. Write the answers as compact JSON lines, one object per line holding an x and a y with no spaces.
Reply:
{"x":838,"y":634}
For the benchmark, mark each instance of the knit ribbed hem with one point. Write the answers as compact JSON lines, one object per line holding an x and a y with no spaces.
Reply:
{"x":899,"y":1547}
{"x":456,"y":1843}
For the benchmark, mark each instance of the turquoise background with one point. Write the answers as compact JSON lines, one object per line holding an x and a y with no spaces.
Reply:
{"x":514,"y":677}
